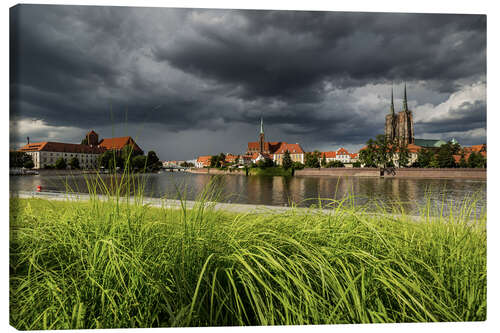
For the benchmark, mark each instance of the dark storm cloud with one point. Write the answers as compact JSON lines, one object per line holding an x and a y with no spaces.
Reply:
{"x":185,"y":69}
{"x":288,"y":54}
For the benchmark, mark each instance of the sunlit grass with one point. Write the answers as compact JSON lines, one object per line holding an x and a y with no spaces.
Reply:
{"x":112,"y":262}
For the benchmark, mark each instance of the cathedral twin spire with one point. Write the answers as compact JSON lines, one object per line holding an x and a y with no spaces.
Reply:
{"x":405,"y":101}
{"x":400,"y":126}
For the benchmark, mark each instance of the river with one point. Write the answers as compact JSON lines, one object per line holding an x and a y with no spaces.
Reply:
{"x":449,"y":195}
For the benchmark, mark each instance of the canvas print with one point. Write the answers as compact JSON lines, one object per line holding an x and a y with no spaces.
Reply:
{"x":217,"y":167}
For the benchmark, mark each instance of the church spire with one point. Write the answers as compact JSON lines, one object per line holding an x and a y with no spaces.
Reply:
{"x":261,"y":125}
{"x":392,"y":101}
{"x":405,"y":101}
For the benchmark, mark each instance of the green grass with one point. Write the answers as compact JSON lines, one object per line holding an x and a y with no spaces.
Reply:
{"x":110,"y":264}
{"x":270,"y":171}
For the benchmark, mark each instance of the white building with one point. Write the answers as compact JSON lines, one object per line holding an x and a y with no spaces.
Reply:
{"x":47,"y":153}
{"x":341,"y":155}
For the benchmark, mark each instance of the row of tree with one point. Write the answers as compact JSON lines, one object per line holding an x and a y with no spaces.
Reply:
{"x":19,"y":159}
{"x":383,"y":152}
{"x":129,"y":158}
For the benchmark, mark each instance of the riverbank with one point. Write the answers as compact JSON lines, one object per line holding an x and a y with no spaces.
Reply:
{"x":105,"y":264}
{"x":271,"y":171}
{"x":423,"y":173}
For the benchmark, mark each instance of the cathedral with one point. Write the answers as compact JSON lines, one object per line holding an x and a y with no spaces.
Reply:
{"x":399,"y":127}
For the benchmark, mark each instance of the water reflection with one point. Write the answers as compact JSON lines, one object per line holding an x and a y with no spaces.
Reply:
{"x":301,"y":190}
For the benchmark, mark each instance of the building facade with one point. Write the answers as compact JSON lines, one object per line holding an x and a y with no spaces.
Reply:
{"x":341,"y":155}
{"x":262,"y":149}
{"x":47,"y":153}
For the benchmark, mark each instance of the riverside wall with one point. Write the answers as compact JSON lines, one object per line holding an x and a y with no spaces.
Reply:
{"x":213,"y":171}
{"x":460,"y":173}
{"x":456,"y":173}
{"x":339,"y":172}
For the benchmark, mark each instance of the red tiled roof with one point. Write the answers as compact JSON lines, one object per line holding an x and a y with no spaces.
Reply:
{"x":118,"y":143}
{"x":329,"y":154}
{"x":254,"y":156}
{"x":475,"y":148}
{"x":231,"y":158}
{"x":205,"y":160}
{"x":293,"y":148}
{"x":413,"y":148}
{"x":354,"y":155}
{"x":466,"y":156}
{"x":61,"y":147}
{"x":272,"y":147}
{"x":342,"y":151}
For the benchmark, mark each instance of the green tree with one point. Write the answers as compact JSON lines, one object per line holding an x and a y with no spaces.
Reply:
{"x":462,"y":163}
{"x":287,"y":160}
{"x":216,"y":161}
{"x":222,"y":159}
{"x":139,"y":162}
{"x":74,"y":163}
{"x":356,"y":164}
{"x":312,"y":159}
{"x":367,"y":155}
{"x":476,"y":160}
{"x":403,"y":155}
{"x":153,"y":162}
{"x":85,"y":141}
{"x":298,"y":166}
{"x":445,"y":154}
{"x":434,"y":163}
{"x":384,"y":151}
{"x":18,"y":159}
{"x":335,"y":164}
{"x":424,"y":158}
{"x":29,"y":164}
{"x":265,"y":163}
{"x":61,"y":163}
{"x":323,"y":161}
{"x":111,"y":159}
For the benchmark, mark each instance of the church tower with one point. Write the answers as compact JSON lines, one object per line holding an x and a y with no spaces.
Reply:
{"x":399,"y":127}
{"x":262,"y":142}
{"x":405,"y":131}
{"x":390,"y":121}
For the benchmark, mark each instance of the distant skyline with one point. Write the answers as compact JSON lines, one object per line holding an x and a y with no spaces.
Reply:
{"x":189,"y":82}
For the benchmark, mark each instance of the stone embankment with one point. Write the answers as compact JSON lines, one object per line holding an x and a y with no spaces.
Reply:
{"x":456,"y":173}
{"x":213,"y":171}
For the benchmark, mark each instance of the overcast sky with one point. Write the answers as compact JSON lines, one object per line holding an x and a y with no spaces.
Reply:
{"x":189,"y":82}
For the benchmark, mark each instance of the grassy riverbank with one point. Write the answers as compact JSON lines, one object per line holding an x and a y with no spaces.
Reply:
{"x":270,"y":171}
{"x":102,"y":264}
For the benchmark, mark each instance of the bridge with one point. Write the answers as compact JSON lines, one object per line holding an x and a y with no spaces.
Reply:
{"x":173,"y":168}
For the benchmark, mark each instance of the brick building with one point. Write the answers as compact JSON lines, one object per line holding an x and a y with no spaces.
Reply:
{"x":274,"y":150}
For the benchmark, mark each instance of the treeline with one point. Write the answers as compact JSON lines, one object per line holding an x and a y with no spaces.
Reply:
{"x":382,"y":152}
{"x":19,"y":159}
{"x":131,"y":159}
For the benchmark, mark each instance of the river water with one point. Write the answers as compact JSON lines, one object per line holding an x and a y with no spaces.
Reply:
{"x":447,"y":195}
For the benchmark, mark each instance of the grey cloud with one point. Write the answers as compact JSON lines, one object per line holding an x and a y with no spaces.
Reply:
{"x":206,"y":70}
